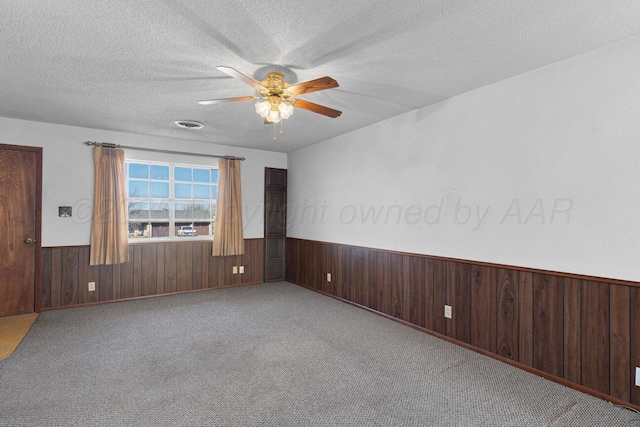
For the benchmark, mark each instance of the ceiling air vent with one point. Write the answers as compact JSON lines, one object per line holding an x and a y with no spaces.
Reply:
{"x":189,"y":124}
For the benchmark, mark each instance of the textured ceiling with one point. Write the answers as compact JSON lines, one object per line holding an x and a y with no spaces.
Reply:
{"x":137,"y":66}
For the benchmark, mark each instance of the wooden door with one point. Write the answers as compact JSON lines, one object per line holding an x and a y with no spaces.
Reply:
{"x":20,"y":195}
{"x":275,"y":223}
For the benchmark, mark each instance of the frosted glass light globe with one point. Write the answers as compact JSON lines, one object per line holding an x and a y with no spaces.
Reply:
{"x":263,"y":108}
{"x":285,"y":110}
{"x":273,"y":116}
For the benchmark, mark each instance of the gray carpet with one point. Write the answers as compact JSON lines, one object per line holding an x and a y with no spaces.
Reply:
{"x":267,"y":355}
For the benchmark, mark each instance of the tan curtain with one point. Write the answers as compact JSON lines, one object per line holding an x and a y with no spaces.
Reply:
{"x":228,"y":238}
{"x":109,"y":227}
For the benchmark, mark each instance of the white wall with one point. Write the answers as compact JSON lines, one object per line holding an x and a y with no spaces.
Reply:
{"x":561,"y":144}
{"x":68,"y":172}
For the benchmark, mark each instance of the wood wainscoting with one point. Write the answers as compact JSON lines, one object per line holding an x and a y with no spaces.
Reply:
{"x":155,"y":268}
{"x":580,"y":331}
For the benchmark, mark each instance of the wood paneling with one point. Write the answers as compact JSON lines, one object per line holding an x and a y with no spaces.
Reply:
{"x":185,"y":264}
{"x":381,"y":297}
{"x":507,"y":344}
{"x":153,"y":269}
{"x":149,"y":280}
{"x":370,"y":283}
{"x":397,"y":289}
{"x":346,"y":272}
{"x":105,"y":293}
{"x":462,"y":302}
{"x":358,"y":274}
{"x":160,"y":271}
{"x":572,"y":330}
{"x":294,"y":260}
{"x":429,"y":293}
{"x":595,"y":336}
{"x":216,"y":267}
{"x":416,"y":295}
{"x":635,"y":340}
{"x":116,"y":278}
{"x":583,"y":331}
{"x":170,"y":268}
{"x":450,"y":298}
{"x":620,"y":351}
{"x":69,"y":276}
{"x":125,"y":286}
{"x":525,"y":309}
{"x":439,"y":296}
{"x":87,"y":273}
{"x":137,"y":271}
{"x":548,"y":336}
{"x":197,"y":279}
{"x":483,"y":297}
{"x":46,"y":271}
{"x":252,"y":261}
{"x":311,"y":274}
{"x":334,"y":261}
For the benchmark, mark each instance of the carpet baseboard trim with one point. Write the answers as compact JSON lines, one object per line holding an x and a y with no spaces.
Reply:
{"x":89,"y":304}
{"x":503,"y":359}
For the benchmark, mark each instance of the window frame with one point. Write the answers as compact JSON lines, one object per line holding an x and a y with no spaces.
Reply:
{"x":174,"y":221}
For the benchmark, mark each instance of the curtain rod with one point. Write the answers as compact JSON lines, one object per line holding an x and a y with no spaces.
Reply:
{"x":108,"y":145}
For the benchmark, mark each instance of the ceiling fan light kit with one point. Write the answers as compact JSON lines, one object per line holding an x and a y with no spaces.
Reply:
{"x":277,"y":97}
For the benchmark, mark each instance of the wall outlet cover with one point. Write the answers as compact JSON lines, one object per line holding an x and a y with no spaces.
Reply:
{"x":235,"y":269}
{"x":242,"y":269}
{"x":328,"y":277}
{"x":637,"y":376}
{"x":92,"y":286}
{"x":448,"y":312}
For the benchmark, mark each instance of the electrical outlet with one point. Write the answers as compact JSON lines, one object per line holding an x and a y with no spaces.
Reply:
{"x":235,"y":269}
{"x":328,"y":277}
{"x":92,"y":286}
{"x":448,"y":312}
{"x":242,"y":269}
{"x":637,"y":376}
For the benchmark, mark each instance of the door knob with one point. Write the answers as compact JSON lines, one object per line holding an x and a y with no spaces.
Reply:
{"x":28,"y":240}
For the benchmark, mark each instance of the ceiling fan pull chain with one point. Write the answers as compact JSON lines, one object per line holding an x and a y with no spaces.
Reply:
{"x":281,"y":124}
{"x":274,"y":131}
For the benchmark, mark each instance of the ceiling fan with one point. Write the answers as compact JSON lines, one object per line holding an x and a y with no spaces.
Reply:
{"x":277,"y":97}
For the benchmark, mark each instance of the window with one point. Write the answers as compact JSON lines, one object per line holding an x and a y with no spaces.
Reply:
{"x":169,"y":200}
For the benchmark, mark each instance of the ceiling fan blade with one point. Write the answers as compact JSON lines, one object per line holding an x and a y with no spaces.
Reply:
{"x":313,"y":85}
{"x":218,"y":101}
{"x":238,"y":75}
{"x":316,"y":108}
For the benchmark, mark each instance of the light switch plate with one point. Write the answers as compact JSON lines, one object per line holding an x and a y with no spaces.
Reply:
{"x":328,"y":277}
{"x":637,"y":376}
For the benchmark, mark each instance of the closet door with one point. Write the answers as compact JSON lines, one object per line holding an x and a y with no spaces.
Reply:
{"x":275,"y":223}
